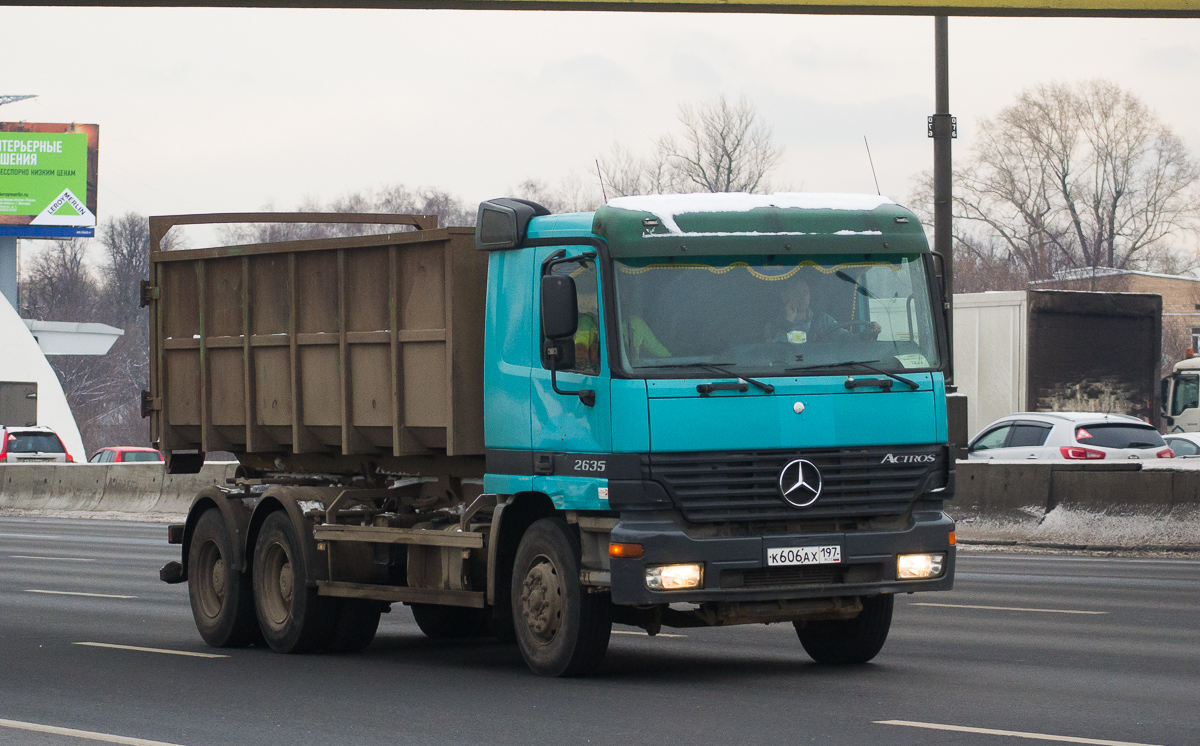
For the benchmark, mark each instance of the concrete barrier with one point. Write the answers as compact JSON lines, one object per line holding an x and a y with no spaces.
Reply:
{"x":1085,"y":504}
{"x":1092,"y":505}
{"x":135,"y":489}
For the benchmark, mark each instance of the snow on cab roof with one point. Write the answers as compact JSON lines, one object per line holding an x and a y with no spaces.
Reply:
{"x":666,"y":206}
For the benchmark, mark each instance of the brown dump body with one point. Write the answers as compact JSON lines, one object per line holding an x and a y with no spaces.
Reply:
{"x":322,"y":354}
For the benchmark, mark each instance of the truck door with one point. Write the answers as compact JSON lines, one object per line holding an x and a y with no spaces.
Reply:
{"x":564,"y":423}
{"x":1184,"y":410}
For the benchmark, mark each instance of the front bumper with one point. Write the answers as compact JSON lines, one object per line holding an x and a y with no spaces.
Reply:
{"x":735,"y":567}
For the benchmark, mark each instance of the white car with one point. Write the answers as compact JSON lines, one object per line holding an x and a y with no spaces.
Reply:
{"x":1184,"y":444}
{"x":1054,"y":436}
{"x":20,"y":445}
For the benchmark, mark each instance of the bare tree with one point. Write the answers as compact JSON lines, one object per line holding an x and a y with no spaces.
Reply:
{"x":721,"y":147}
{"x":573,"y":193}
{"x":58,"y":285}
{"x":1077,"y":176}
{"x":395,"y":199}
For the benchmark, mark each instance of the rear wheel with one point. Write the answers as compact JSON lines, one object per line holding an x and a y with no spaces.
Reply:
{"x":857,"y":640}
{"x":561,"y":629}
{"x":222,"y":598}
{"x":293,"y":618}
{"x":451,"y":622}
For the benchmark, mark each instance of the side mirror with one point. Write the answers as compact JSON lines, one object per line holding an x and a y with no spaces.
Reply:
{"x":560,"y":314}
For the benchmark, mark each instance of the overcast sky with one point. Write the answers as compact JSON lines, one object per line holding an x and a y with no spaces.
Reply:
{"x":235,"y":110}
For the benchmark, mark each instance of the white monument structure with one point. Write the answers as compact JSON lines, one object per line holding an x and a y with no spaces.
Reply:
{"x":22,"y":360}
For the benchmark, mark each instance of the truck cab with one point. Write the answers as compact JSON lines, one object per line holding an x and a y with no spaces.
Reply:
{"x":1181,"y":397}
{"x":753,"y":387}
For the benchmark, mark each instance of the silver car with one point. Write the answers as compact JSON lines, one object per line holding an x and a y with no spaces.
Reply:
{"x":1055,"y":436}
{"x":19,"y":445}
{"x":1185,"y":445}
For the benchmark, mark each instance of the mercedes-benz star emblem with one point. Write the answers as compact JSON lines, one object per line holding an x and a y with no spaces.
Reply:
{"x":800,"y":483}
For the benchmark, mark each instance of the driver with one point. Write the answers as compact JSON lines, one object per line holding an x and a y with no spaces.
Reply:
{"x":800,"y":323}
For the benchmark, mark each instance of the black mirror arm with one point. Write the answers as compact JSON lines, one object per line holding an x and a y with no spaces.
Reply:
{"x":587,"y":396}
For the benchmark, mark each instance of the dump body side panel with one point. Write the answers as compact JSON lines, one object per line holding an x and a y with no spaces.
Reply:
{"x":364,"y":346}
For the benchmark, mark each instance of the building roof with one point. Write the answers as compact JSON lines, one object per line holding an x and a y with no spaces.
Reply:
{"x":1091,"y":273}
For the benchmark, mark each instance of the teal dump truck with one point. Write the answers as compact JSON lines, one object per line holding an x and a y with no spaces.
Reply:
{"x":680,"y":410}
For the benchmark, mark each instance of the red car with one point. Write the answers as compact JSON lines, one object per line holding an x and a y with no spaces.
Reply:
{"x":126,"y":455}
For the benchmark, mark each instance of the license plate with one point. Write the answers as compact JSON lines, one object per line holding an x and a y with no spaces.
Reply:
{"x":827,"y":555}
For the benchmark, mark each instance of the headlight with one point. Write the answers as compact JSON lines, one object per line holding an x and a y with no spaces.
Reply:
{"x":919,"y":566}
{"x":674,"y":577}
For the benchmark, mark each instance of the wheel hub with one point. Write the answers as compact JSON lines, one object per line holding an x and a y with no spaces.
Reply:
{"x":210,"y":580}
{"x":279,"y":585}
{"x":286,"y":582}
{"x":218,"y":578}
{"x":542,"y":600}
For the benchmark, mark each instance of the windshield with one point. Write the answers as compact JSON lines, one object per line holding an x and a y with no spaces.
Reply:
{"x":773,"y":315}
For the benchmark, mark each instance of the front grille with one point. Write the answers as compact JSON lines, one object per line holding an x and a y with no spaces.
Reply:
{"x":769,"y":577}
{"x":744,"y":485}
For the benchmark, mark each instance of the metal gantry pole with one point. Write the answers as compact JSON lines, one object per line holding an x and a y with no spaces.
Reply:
{"x":943,"y":128}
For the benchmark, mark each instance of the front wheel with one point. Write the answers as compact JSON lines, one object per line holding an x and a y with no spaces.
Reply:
{"x":562,"y":630}
{"x":293,"y":618}
{"x":842,"y":641}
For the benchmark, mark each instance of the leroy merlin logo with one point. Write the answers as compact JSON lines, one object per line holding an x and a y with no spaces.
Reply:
{"x":65,"y":209}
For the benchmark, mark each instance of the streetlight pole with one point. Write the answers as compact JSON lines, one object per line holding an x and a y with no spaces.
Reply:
{"x":943,"y":128}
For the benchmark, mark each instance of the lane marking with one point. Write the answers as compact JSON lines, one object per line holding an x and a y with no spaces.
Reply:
{"x":91,"y":736}
{"x":29,"y":536}
{"x":1013,"y":733}
{"x":150,"y":650}
{"x":77,"y":593}
{"x":60,"y":559}
{"x":1006,"y":608}
{"x":643,"y":634}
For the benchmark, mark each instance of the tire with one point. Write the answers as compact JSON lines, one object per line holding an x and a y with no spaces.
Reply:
{"x":844,"y":641}
{"x":451,"y":622}
{"x":355,"y":626}
{"x":293,"y":618}
{"x":222,"y":598}
{"x":561,"y":629}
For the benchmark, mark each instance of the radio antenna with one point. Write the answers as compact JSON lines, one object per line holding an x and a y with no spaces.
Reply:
{"x":603,"y":193}
{"x":872,"y":162}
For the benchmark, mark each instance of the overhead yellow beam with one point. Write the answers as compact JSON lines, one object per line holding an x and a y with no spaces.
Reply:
{"x":1077,"y":8}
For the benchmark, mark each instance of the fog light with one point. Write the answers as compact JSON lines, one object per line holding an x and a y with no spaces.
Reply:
{"x":674,"y":577}
{"x":919,"y":566}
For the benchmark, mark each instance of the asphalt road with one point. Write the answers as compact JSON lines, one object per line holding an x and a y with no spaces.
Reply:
{"x":1092,"y":649}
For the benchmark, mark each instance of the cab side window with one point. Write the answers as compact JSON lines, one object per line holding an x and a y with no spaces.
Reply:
{"x":587,"y":333}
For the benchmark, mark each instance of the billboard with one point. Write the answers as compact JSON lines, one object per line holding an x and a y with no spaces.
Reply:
{"x":48,"y":179}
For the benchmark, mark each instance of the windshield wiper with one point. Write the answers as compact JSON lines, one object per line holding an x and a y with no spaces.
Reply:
{"x":862,"y":364}
{"x":717,"y":367}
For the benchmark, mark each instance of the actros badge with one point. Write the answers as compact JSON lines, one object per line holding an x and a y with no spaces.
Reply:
{"x":800,"y":483}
